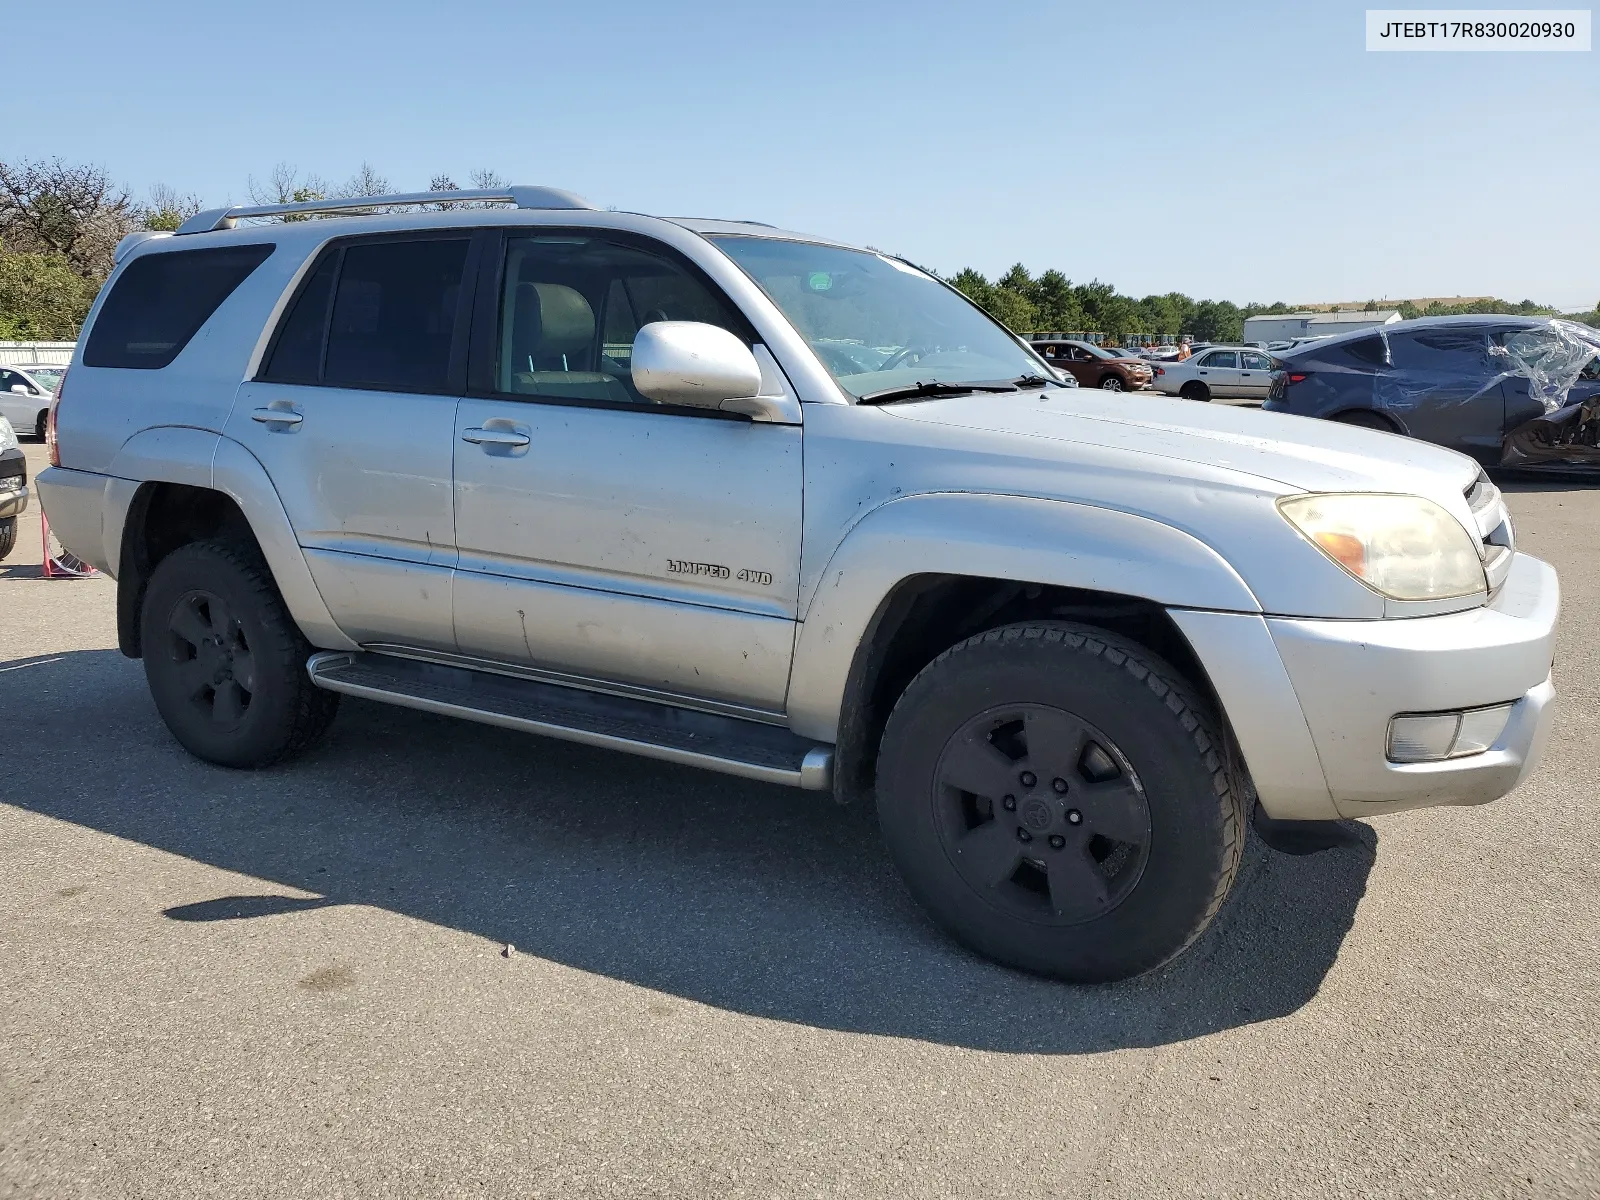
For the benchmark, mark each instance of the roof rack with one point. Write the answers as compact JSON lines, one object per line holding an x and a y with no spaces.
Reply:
{"x":522,"y":197}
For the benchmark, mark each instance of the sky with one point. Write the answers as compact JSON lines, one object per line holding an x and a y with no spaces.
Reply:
{"x":1244,"y":151}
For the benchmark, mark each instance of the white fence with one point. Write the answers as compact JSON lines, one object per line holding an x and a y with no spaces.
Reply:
{"x":55,"y":354}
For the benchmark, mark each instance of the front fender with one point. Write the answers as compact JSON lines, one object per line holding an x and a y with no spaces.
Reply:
{"x":1025,"y":539}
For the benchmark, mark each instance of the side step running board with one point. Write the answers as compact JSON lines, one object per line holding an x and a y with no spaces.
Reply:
{"x":727,"y":744}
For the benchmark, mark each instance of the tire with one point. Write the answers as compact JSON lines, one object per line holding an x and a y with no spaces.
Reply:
{"x":1112,"y":383}
{"x":41,"y":423}
{"x":1195,"y":390}
{"x":1138,"y":791}
{"x":1366,"y":420}
{"x":8,"y":536}
{"x":244,"y":701}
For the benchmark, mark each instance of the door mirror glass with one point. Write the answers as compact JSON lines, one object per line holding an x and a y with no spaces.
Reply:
{"x":690,"y":362}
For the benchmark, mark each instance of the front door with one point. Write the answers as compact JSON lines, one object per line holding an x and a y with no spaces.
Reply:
{"x":603,"y":536}
{"x":353,"y":416}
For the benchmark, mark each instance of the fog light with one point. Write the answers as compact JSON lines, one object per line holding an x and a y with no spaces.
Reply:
{"x":1433,"y":737}
{"x":1422,"y":739}
{"x":1480,"y":729}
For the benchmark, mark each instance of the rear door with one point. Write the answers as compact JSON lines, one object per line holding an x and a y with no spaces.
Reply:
{"x":1442,"y":385}
{"x":353,"y":416}
{"x":1219,"y":371}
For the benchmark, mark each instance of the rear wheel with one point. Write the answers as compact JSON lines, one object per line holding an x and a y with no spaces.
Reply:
{"x":1367,"y":420}
{"x":1195,"y":390}
{"x":1056,"y":797}
{"x":8,"y":536}
{"x":225,"y":661}
{"x":1111,"y":383}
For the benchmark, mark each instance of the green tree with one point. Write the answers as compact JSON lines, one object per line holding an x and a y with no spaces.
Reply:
{"x":43,"y":297}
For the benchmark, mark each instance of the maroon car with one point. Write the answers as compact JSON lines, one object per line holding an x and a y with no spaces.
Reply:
{"x":1094,"y":367}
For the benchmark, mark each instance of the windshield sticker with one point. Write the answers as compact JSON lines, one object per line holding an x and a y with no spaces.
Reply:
{"x":820,"y":281}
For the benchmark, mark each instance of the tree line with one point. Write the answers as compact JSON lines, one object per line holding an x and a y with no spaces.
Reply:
{"x":60,"y":224}
{"x":1050,"y":302}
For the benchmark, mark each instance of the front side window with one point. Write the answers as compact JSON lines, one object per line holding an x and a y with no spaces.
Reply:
{"x":876,"y":323}
{"x":10,"y":379}
{"x":571,"y":305}
{"x":1256,"y":362}
{"x":160,"y":301}
{"x":374,"y":315}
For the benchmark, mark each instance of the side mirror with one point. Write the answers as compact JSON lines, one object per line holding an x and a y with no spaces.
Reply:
{"x":690,"y":362}
{"x":21,"y":389}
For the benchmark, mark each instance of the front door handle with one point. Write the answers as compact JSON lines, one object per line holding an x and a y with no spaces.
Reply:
{"x":479,"y":436}
{"x":276,"y":416}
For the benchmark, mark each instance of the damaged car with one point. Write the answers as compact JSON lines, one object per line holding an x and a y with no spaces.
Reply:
{"x":1510,"y":391}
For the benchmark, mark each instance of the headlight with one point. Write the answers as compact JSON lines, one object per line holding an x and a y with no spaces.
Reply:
{"x":1404,"y":547}
{"x":8,"y":436}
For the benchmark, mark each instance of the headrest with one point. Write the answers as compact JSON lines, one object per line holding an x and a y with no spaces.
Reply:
{"x":566,"y":318}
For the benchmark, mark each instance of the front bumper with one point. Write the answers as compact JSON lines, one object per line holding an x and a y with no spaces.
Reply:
{"x":13,"y":501}
{"x":1310,"y":700}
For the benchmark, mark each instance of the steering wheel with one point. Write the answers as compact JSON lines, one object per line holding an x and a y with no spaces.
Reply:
{"x":895,"y":360}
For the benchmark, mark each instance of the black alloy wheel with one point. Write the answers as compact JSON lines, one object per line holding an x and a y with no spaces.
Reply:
{"x":212,"y":662}
{"x":1040,"y":811}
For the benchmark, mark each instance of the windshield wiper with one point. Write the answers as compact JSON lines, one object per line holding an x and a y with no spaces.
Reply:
{"x":931,"y":387}
{"x":1032,"y":381}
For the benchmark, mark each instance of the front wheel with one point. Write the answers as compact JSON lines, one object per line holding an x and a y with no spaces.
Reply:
{"x":1111,"y":383}
{"x":42,"y":424}
{"x":224,"y":660}
{"x":1057,"y":798}
{"x":8,"y":536}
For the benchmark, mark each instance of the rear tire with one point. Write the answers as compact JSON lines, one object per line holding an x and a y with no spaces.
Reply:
{"x":1366,"y":420}
{"x":1195,"y":390}
{"x":225,"y":661}
{"x":8,"y":536}
{"x":1058,"y":799}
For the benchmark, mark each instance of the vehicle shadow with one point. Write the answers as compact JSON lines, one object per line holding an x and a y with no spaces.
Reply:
{"x":752,"y":898}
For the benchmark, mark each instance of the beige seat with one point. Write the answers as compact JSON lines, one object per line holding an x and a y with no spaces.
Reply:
{"x":552,"y":338}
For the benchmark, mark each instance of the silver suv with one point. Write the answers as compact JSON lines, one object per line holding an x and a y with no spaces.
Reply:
{"x":772,"y":505}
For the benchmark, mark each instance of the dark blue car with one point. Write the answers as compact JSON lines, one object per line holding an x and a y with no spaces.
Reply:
{"x":1461,"y":382}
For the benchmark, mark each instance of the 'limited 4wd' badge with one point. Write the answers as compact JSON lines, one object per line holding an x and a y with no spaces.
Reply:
{"x":680,"y":566}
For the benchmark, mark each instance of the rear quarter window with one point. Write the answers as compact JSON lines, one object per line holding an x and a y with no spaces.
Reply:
{"x":161,"y":300}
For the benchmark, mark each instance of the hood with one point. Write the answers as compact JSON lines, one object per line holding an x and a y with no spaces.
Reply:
{"x":1299,"y":454}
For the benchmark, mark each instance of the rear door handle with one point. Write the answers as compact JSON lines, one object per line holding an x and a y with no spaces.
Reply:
{"x":479,"y":436}
{"x":276,"y":416}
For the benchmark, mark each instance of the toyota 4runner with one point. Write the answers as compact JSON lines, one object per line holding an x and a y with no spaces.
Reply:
{"x":772,"y":505}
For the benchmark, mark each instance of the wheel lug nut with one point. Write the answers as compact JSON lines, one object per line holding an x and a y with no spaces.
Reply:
{"x":1074,"y":817}
{"x":1024,"y":836}
{"x":1029,"y":779}
{"x":1011,"y":803}
{"x":1060,"y":786}
{"x":1057,"y":841}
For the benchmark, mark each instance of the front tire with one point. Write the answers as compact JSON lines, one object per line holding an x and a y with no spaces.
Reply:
{"x":1111,"y":383}
{"x":224,"y":660}
{"x":8,"y":536}
{"x":1057,"y":798}
{"x":42,"y":424}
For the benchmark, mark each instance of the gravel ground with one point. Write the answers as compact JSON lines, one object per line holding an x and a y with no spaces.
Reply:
{"x":296,"y":982}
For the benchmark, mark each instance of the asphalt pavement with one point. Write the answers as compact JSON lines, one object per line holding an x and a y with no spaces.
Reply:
{"x":302,"y":981}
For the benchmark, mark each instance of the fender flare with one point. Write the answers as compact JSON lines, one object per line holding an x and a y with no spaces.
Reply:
{"x":203,"y":459}
{"x":1029,"y":540}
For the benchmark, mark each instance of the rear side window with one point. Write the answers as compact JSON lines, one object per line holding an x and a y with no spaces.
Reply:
{"x":374,"y":315}
{"x":1451,"y":352}
{"x":162,"y":300}
{"x":1368,"y":350}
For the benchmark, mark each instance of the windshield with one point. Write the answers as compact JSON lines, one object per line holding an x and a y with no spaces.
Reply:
{"x":47,"y":377}
{"x":877,"y":323}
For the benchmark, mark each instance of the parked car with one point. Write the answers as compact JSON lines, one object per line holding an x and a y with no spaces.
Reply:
{"x":25,"y":398}
{"x":1463,"y":382}
{"x":585,"y":473}
{"x":13,"y":486}
{"x":1231,"y":372}
{"x":1093,"y":367}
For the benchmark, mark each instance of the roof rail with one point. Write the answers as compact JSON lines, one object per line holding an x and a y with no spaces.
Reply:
{"x":522,"y":197}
